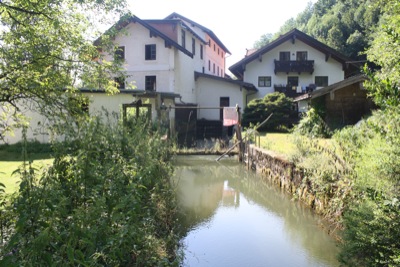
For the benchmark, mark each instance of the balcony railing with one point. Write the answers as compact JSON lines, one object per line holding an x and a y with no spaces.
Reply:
{"x":292,"y":91}
{"x":294,"y":66}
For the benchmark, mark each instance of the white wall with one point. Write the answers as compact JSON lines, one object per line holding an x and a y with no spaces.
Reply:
{"x":134,"y":37}
{"x":36,"y":124}
{"x":254,"y":69}
{"x":208,"y":93}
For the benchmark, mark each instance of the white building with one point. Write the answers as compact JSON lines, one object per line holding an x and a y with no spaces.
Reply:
{"x":294,"y":64}
{"x":172,"y":62}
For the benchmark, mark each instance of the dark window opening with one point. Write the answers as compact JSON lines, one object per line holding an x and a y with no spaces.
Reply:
{"x":301,"y":55}
{"x":183,"y":39}
{"x":293,"y":81}
{"x":193,"y":46}
{"x":321,"y":81}
{"x":284,"y":56}
{"x":150,"y":83}
{"x":150,"y":53}
{"x":119,"y":53}
{"x":120,"y":81}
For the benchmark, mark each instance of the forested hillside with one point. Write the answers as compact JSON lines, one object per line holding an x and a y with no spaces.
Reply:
{"x":345,"y":25}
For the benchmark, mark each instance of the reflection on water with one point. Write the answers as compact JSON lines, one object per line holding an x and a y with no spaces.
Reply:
{"x":232,"y":218}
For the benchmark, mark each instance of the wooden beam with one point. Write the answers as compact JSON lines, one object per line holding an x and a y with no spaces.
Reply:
{"x":327,"y":56}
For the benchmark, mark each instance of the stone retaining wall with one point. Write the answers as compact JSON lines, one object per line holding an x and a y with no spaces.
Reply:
{"x":285,"y":174}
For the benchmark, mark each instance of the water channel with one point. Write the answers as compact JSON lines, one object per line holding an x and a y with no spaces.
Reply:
{"x":233,"y":218}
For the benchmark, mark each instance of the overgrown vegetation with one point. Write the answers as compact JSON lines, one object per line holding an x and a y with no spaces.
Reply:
{"x":106,"y":201}
{"x":258,"y":110}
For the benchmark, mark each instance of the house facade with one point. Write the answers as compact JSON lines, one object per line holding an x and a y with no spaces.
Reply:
{"x":168,"y":62}
{"x":294,"y":64}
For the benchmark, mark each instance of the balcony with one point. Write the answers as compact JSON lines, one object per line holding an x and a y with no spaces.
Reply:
{"x":293,"y":91}
{"x":294,"y":66}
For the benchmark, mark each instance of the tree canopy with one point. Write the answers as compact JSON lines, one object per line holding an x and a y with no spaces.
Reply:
{"x":344,"y":25}
{"x":47,"y":52}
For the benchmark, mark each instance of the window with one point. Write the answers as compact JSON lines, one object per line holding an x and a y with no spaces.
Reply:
{"x":218,"y":50}
{"x":183,"y":39}
{"x":293,"y":81}
{"x":201,"y":51}
{"x":120,"y":81}
{"x":209,"y":65}
{"x":301,"y":55}
{"x":150,"y":53}
{"x":264,"y":81}
{"x":284,"y":56}
{"x":214,"y":47}
{"x":214,"y":68}
{"x":119,"y":53}
{"x":218,"y":70}
{"x":150,"y":83}
{"x":193,"y":46}
{"x":321,"y":81}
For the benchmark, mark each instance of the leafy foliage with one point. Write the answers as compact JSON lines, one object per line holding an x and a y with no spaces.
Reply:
{"x":106,"y":201}
{"x":344,"y":25}
{"x":47,"y":52}
{"x":258,"y":110}
{"x":371,"y":235}
{"x":312,"y":125}
{"x":384,"y":85}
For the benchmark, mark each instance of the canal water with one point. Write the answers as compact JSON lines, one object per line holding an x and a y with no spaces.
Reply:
{"x":230,"y":217}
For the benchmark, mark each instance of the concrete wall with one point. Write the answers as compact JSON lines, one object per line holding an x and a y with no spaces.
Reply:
{"x":36,"y":124}
{"x":208,"y":93}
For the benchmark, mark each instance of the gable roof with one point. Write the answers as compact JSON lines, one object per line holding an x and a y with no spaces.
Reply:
{"x":293,"y":35}
{"x":332,"y":88}
{"x":125,"y":21}
{"x":208,"y":31}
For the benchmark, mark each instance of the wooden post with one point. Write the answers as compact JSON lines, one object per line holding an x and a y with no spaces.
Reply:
{"x":239,"y":134}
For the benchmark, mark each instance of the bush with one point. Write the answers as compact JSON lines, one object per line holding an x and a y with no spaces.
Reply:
{"x":259,"y":109}
{"x":107,"y":201}
{"x":312,"y":125}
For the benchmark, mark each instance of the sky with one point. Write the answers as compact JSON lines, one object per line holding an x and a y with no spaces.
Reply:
{"x":238,"y":24}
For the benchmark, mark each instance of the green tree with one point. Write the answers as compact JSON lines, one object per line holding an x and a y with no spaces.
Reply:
{"x":384,"y":84}
{"x":259,"y":109}
{"x":264,"y":40}
{"x":47,"y":52}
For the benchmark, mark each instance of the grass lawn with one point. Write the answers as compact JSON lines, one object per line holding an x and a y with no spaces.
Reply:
{"x":283,"y":143}
{"x":9,"y":162}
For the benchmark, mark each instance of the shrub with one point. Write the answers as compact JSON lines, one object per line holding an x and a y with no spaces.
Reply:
{"x":107,"y":201}
{"x":259,"y":109}
{"x":312,"y":125}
